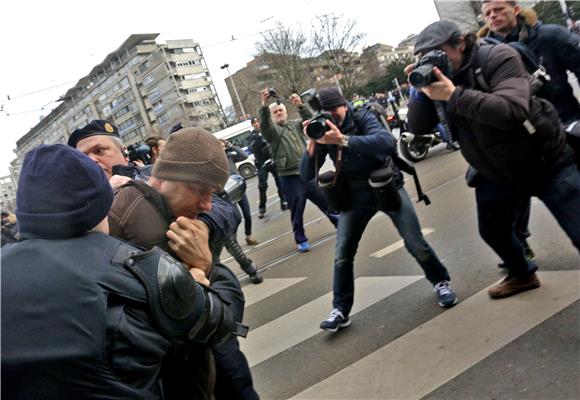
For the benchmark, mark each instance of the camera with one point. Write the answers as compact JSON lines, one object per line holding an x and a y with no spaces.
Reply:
{"x":269,"y":165}
{"x":423,"y":75}
{"x":139,"y":151}
{"x":317,"y":126}
{"x":273,"y":94}
{"x":335,"y":191}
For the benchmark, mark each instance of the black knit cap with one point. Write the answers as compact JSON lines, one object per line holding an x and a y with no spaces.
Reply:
{"x":330,"y":97}
{"x":62,"y":193}
{"x":95,"y":127}
{"x":435,"y":35}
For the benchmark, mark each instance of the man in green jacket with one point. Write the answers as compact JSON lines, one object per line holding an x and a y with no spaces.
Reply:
{"x":288,"y":145}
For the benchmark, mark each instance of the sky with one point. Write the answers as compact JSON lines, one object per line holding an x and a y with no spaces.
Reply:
{"x":48,"y":46}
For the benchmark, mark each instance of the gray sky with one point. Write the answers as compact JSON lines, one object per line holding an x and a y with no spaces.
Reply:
{"x":55,"y":43}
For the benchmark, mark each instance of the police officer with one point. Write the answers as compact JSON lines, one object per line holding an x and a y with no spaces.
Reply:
{"x":358,"y":145}
{"x":85,"y":315}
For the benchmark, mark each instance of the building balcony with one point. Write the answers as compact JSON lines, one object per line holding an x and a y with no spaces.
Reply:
{"x":194,"y":83}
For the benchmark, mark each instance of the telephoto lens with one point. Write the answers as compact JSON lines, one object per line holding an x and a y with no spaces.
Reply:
{"x":316,"y":128}
{"x":338,"y":198}
{"x":382,"y":182}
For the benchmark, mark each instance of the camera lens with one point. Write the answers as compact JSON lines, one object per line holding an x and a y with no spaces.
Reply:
{"x":422,"y":75}
{"x":316,"y":129}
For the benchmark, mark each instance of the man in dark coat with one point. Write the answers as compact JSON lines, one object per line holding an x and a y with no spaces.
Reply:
{"x":261,"y":150}
{"x":84,"y":315}
{"x":513,"y":140}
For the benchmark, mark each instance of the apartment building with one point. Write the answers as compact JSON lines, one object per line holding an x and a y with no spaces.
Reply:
{"x":143,"y":87}
{"x":8,"y":193}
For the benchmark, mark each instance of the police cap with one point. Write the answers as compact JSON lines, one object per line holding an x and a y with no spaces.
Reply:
{"x":435,"y":35}
{"x":95,"y":127}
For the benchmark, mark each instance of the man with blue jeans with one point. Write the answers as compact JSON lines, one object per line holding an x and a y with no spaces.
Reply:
{"x":288,"y":145}
{"x":358,"y":144}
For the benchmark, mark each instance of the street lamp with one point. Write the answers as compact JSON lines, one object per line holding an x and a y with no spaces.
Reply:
{"x":226,"y":67}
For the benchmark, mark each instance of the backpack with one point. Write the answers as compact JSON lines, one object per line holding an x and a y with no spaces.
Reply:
{"x":539,"y":78}
{"x":379,"y":112}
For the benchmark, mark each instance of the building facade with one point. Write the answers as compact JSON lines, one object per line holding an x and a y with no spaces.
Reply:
{"x":143,"y":88}
{"x":8,"y":192}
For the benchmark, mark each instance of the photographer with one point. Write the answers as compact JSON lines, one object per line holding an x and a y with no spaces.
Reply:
{"x":288,"y":146}
{"x":513,"y":139}
{"x":261,"y":150}
{"x":359,"y":145}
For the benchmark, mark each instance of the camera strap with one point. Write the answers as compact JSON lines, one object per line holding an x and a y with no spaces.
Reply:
{"x":337,"y":164}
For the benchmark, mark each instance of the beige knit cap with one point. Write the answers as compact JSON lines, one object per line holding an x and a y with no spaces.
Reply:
{"x":193,"y":155}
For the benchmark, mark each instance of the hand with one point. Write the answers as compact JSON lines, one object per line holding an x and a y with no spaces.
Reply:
{"x":442,"y":89}
{"x":295,"y":99}
{"x":408,"y":69}
{"x":199,"y":276}
{"x":332,"y":136}
{"x":265,"y":96}
{"x":118,"y":181}
{"x":188,"y":238}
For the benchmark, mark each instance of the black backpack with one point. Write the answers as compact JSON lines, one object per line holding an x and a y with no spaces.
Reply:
{"x":539,"y":78}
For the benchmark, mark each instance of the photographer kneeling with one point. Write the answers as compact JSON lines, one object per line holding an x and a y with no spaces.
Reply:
{"x":360,"y":148}
{"x":513,"y":139}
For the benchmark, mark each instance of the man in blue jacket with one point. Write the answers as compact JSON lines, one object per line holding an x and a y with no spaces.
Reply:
{"x":359,"y":145}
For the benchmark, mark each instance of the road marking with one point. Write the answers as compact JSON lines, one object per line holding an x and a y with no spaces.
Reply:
{"x":269,"y":287}
{"x":432,"y":354}
{"x":302,"y":323}
{"x":398,"y":245}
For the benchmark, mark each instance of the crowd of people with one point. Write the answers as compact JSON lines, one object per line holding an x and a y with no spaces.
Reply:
{"x":115,"y":265}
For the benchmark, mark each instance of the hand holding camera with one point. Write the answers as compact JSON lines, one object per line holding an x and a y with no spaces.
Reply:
{"x":429,"y":75}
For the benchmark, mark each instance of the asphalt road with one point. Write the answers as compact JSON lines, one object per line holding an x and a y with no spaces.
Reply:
{"x":401,"y":345}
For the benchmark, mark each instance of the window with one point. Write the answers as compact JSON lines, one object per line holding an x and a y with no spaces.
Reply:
{"x":154,"y":94}
{"x":148,"y":80}
{"x":144,"y":67}
{"x":158,"y":107}
{"x":162,"y":118}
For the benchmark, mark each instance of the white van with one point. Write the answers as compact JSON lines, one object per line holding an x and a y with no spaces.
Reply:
{"x":238,"y":135}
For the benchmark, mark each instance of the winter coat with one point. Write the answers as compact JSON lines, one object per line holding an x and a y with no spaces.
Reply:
{"x":557,"y":49}
{"x":368,"y":147}
{"x":286,"y":141}
{"x":490,"y":125}
{"x":259,"y":147}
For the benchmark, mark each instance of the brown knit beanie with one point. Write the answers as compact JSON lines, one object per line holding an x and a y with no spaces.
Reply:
{"x":193,"y":155}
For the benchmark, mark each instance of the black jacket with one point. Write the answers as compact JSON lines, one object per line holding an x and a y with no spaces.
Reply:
{"x":558,"y":50}
{"x":490,"y":125}
{"x":259,"y":147}
{"x":78,"y":323}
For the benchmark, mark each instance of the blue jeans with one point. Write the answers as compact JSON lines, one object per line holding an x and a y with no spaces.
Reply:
{"x":351,"y":226}
{"x":497,"y":209}
{"x":296,"y":192}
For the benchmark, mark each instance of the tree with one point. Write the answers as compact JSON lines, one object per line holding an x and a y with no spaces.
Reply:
{"x":336,"y":41}
{"x":286,"y":53}
{"x":550,"y":12}
{"x":384,"y":83}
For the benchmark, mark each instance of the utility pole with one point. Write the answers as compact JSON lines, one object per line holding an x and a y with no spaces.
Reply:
{"x":226,"y":67}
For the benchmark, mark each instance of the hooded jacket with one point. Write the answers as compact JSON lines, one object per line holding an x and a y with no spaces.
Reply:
{"x":490,"y":125}
{"x":557,"y":49}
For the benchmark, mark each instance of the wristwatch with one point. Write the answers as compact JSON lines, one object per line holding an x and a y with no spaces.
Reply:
{"x":345,"y":139}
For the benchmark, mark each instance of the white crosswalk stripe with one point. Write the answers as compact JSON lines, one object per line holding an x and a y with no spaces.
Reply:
{"x":429,"y":356}
{"x":269,"y":287}
{"x":302,"y":323}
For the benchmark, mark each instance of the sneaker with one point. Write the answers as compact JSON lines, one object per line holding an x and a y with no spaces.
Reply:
{"x":303,"y":247}
{"x":452,"y":147}
{"x":251,"y":240}
{"x":261,"y":212}
{"x":284,"y":205}
{"x":445,"y":295}
{"x":335,"y":321}
{"x":511,"y":285}
{"x":256,"y":278}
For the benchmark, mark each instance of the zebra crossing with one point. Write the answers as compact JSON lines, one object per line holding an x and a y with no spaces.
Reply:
{"x":408,"y":367}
